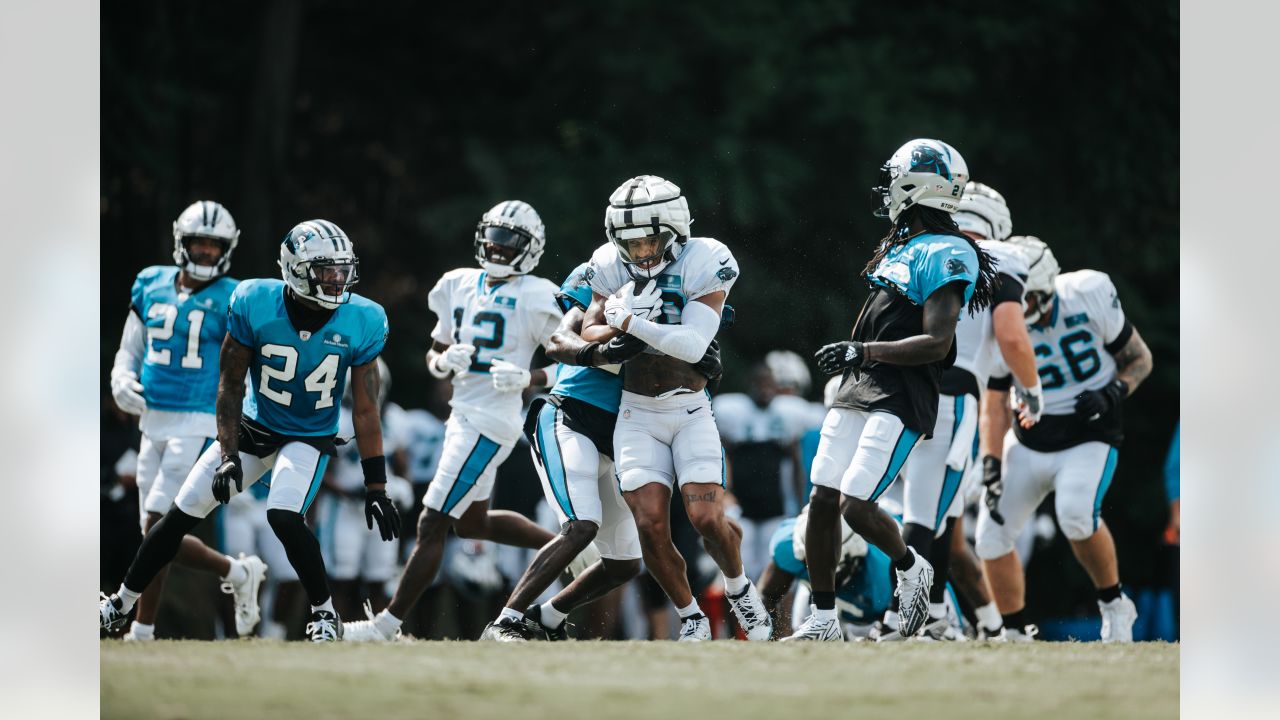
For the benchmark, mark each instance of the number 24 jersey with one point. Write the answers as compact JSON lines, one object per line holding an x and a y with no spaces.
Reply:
{"x":298,"y":377}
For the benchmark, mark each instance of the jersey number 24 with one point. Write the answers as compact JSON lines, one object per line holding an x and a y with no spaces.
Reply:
{"x":322,"y":380}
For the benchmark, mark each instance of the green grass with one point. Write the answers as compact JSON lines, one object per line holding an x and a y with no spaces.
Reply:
{"x":616,"y":681}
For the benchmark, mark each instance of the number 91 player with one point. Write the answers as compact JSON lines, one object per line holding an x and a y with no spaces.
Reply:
{"x":298,"y":337}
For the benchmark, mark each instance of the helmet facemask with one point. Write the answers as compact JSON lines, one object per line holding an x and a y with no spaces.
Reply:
{"x":328,"y":281}
{"x":201,"y":271}
{"x":659,"y":251}
{"x":210,"y":220}
{"x":517,"y":240}
{"x":318,"y":263}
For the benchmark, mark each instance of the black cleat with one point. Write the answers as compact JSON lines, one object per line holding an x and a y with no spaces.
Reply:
{"x":324,"y":627}
{"x":110,"y":615}
{"x":533,"y":616}
{"x":509,"y":630}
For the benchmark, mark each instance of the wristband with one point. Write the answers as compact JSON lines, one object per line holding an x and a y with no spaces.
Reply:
{"x":436,"y":371}
{"x":585,"y":354}
{"x":375,"y":469}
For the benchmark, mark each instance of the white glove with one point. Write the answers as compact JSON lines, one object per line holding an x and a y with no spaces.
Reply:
{"x":127,"y":392}
{"x":626,"y":302}
{"x":456,"y":358}
{"x":508,"y":377}
{"x":1029,"y":402}
{"x":961,"y":449}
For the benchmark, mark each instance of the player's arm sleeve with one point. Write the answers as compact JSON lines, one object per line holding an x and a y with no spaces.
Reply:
{"x":238,"y":325}
{"x":719,"y":272}
{"x":1007,"y":289}
{"x":945,"y":265}
{"x":687,"y":341}
{"x":545,"y":315}
{"x":133,"y":344}
{"x":136,"y":295}
{"x":375,"y":338}
{"x":1116,"y":328}
{"x":438,"y":302}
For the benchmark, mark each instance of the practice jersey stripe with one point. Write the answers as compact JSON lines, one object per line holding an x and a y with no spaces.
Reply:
{"x":321,"y":463}
{"x":477,"y":460}
{"x":553,"y":460}
{"x":950,"y":478}
{"x":724,"y":470}
{"x":901,"y":449}
{"x":1108,"y":471}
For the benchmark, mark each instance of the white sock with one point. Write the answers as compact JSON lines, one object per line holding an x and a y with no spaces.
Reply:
{"x":689,"y":610}
{"x":824,"y":615}
{"x":238,"y":572}
{"x":509,"y":613}
{"x":891,"y":619}
{"x":551,"y":617}
{"x":937,"y":611}
{"x":989,"y":616}
{"x":735,"y":585}
{"x":387,"y":622}
{"x":127,"y":598}
{"x":143,"y":631}
{"x":327,"y":605}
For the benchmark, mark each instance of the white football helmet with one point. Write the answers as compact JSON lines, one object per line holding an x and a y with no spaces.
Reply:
{"x":315,"y":258}
{"x":1042,"y":272}
{"x":789,"y":370}
{"x":922,"y":172}
{"x":643,"y":206}
{"x":984,"y":211}
{"x":511,"y":224}
{"x":206,"y":219}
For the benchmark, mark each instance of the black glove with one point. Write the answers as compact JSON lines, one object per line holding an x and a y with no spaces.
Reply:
{"x":995,"y":487}
{"x":709,"y":366}
{"x":1092,"y":404}
{"x":228,"y":472}
{"x":377,"y":506}
{"x":837,"y":356}
{"x":621,"y":348}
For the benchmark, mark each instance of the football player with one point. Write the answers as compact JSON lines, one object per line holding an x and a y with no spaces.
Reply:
{"x":491,"y":319}
{"x":166,"y":371}
{"x":656,"y":283}
{"x":934,"y":473}
{"x":922,"y":275}
{"x":296,"y":337}
{"x":1090,"y":359}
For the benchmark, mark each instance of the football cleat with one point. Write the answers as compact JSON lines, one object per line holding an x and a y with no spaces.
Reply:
{"x":941,"y":630}
{"x":533,"y":617}
{"x":325,"y":626}
{"x":246,"y":594}
{"x":110,"y":615}
{"x":1013,"y":635}
{"x":913,"y":595}
{"x":815,"y":630}
{"x":509,"y":630}
{"x":752,"y":616}
{"x":695,"y":628}
{"x":367,"y":630}
{"x":1118,"y":617}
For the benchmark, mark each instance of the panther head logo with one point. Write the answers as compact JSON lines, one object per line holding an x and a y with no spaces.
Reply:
{"x":726,"y":274}
{"x":955,"y":266}
{"x":927,"y":159}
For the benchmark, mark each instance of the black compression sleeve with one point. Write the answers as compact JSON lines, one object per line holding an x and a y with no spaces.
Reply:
{"x":375,"y":469}
{"x":1008,"y":289}
{"x":1122,"y":339}
{"x":1000,"y":383}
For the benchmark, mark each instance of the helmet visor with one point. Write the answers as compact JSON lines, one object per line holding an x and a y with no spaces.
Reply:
{"x":506,"y":237}
{"x":333,"y":277}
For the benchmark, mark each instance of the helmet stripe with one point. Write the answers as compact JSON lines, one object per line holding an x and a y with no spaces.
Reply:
{"x":214,"y":221}
{"x":204,"y":213}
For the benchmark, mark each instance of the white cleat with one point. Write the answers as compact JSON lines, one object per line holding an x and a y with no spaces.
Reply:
{"x":324,"y":627}
{"x":913,"y":595}
{"x":367,"y":630}
{"x":1014,"y":635}
{"x":246,"y":594}
{"x":815,"y":630}
{"x":695,"y":628}
{"x":940,"y":630}
{"x":751,"y":613}
{"x":1118,"y":617}
{"x":110,"y":616}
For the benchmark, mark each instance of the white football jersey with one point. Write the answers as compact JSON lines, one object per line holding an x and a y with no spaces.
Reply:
{"x":976,"y":348}
{"x":1071,"y":350}
{"x":741,"y":420}
{"x":704,"y":266}
{"x":422,"y":437}
{"x":505,"y":322}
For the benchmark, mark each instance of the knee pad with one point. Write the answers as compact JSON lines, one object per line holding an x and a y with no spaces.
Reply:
{"x":580,"y":531}
{"x":992,"y":540}
{"x":1077,"y":526}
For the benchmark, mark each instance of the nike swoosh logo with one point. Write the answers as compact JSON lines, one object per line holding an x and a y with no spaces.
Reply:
{"x":693,"y":411}
{"x":722,"y":262}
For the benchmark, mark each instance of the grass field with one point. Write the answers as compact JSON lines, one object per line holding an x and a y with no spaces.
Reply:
{"x":616,"y":681}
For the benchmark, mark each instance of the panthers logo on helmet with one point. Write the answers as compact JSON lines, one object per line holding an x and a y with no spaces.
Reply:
{"x":927,"y":159}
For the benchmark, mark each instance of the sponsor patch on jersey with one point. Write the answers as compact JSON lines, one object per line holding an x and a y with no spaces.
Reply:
{"x":335,"y":339}
{"x":1078,"y":319}
{"x":505,"y":301}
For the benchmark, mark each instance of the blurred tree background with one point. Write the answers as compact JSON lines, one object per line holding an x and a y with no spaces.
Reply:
{"x":404,"y":121}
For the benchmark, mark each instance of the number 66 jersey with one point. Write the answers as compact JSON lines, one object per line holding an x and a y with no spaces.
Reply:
{"x":507,"y":321}
{"x":298,"y":377}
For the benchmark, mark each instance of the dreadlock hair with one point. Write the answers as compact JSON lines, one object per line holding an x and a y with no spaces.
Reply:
{"x":939,"y":222}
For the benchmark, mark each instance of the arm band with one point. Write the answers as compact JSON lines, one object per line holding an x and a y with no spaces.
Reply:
{"x":431,"y":366}
{"x":687,"y":341}
{"x":586,"y":354}
{"x":375,"y":469}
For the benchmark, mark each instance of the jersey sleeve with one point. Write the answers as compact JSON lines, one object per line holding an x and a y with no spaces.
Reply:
{"x":717,"y":271}
{"x":376,"y":330}
{"x":239,"y":325}
{"x":1104,"y":308}
{"x":604,"y":272}
{"x":438,"y":302}
{"x":782,"y":551}
{"x":943,"y":264}
{"x":543,"y":313}
{"x":575,"y":291}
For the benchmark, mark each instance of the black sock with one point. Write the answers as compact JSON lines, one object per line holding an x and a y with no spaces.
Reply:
{"x":940,"y":558}
{"x":1106,"y":594}
{"x":905,"y":562}
{"x":1015,"y":620}
{"x":159,"y":548}
{"x":824,"y":600}
{"x":304,"y":552}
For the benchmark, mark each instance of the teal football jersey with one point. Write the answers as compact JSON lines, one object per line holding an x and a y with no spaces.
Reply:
{"x":298,"y":377}
{"x":593,"y":385}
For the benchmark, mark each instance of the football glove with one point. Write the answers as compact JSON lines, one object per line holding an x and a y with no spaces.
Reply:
{"x":1029,"y":402}
{"x":127,"y":392}
{"x":709,"y":366}
{"x":994,"y":485}
{"x":838,"y":356}
{"x":1092,"y":404}
{"x":508,"y":377}
{"x":378,"y":507}
{"x":622,"y":348}
{"x":456,"y":358}
{"x":627,"y":302}
{"x":228,"y":472}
